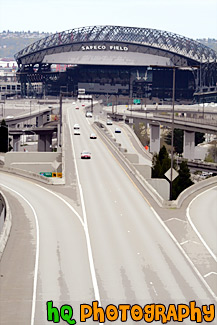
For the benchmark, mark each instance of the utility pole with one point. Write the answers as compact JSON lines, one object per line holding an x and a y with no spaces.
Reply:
{"x":172,"y":141}
{"x":60,"y":121}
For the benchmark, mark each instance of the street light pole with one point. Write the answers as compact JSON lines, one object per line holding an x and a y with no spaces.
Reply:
{"x":172,"y":140}
{"x":60,"y":124}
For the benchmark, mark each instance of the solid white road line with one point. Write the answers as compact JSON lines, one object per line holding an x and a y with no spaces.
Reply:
{"x":184,"y":253}
{"x":36,"y":255}
{"x":64,"y":201}
{"x":195,"y":229}
{"x":89,"y":249}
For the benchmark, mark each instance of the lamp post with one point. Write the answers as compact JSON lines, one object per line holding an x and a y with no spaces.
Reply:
{"x":172,"y":133}
{"x":30,"y":108}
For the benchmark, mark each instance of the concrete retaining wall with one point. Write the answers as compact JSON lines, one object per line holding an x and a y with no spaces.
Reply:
{"x":132,"y":157}
{"x":144,"y":170}
{"x":162,"y":186}
{"x":6,"y":223}
{"x":192,"y":189}
{"x":2,"y":211}
{"x":34,"y":161}
{"x":36,"y":176}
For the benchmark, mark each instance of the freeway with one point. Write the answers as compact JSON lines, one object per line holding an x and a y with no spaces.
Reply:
{"x":97,"y":238}
{"x":56,"y":238}
{"x":123,"y":228}
{"x":123,"y":139}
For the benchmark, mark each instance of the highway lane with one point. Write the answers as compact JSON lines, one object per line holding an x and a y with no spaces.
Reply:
{"x":125,"y":142}
{"x":63,"y":273}
{"x":203,"y":218}
{"x":136,"y":261}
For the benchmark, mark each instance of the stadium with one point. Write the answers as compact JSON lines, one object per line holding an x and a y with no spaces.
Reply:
{"x":118,"y":62}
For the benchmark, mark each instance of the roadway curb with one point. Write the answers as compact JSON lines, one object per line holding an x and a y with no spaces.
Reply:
{"x":154,"y":194}
{"x":5,"y":233}
{"x":28,"y":174}
{"x":148,"y":154}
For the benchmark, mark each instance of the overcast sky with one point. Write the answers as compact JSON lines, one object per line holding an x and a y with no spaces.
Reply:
{"x":190,"y":18}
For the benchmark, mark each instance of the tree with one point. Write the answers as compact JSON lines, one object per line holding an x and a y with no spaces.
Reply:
{"x":177,"y":140}
{"x":161,"y":163}
{"x":3,"y":137}
{"x":212,"y":153}
{"x":183,"y":181}
{"x":199,"y":138}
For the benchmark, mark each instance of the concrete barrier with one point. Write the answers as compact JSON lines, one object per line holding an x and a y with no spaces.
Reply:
{"x":162,"y":186}
{"x":29,"y":174}
{"x":144,"y":170}
{"x":148,"y":154}
{"x":156,"y":196}
{"x":192,"y":189}
{"x":34,"y":161}
{"x":6,"y":224}
{"x":156,"y":187}
{"x":132,"y":157}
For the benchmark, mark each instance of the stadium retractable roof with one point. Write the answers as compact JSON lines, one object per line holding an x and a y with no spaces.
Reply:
{"x":150,"y":38}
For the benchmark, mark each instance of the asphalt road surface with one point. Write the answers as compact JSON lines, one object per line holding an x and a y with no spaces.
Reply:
{"x":97,"y":238}
{"x":204,"y":220}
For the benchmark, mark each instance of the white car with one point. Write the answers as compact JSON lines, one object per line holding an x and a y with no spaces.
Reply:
{"x":117,"y":130}
{"x":76,"y":126}
{"x":93,"y":136}
{"x":89,"y":114}
{"x":77,"y":132}
{"x":109,"y":122}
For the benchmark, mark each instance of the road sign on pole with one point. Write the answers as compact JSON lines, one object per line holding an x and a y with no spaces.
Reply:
{"x":174,"y":174}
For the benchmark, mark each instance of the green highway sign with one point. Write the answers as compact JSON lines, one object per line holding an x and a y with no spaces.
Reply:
{"x":136,"y":101}
{"x":46,"y":174}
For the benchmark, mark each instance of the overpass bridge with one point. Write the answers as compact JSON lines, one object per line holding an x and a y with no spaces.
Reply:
{"x":189,"y":125}
{"x":45,"y":135}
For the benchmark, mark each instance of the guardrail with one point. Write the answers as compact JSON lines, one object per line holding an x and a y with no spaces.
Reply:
{"x":205,"y":121}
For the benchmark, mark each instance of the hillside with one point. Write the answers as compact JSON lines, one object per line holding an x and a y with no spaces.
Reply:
{"x":13,"y":42}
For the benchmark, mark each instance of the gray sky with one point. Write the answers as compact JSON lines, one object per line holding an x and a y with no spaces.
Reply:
{"x":190,"y":18}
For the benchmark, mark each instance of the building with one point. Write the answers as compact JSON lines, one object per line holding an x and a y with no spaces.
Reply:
{"x":117,"y":61}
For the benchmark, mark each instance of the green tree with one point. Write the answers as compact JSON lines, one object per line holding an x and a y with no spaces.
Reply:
{"x":161,"y":163}
{"x":199,"y":138}
{"x":177,"y":140}
{"x":3,"y":137}
{"x":183,"y":181}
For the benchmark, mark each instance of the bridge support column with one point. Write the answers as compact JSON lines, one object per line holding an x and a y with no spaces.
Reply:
{"x":39,"y":120}
{"x":189,"y":144}
{"x":45,"y":142}
{"x":16,"y":142}
{"x":154,"y":138}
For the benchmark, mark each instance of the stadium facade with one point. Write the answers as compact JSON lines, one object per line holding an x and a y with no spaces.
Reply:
{"x":117,"y":61}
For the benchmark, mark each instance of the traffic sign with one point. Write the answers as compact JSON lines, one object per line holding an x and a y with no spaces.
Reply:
{"x":174,"y":175}
{"x":136,"y":101}
{"x":46,"y":174}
